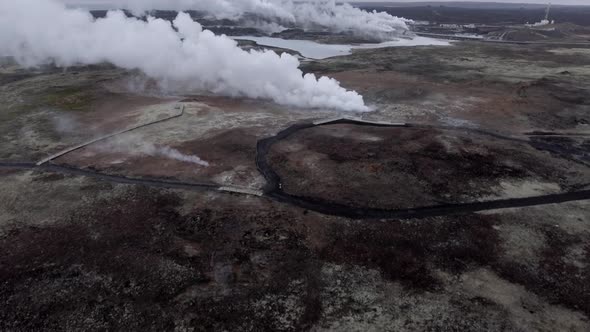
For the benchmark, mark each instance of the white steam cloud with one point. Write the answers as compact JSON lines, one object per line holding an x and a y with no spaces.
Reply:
{"x":138,"y":145}
{"x":346,"y":18}
{"x":181,"y":53}
{"x":133,"y":144}
{"x":229,"y":9}
{"x":307,"y":14}
{"x":171,"y":153}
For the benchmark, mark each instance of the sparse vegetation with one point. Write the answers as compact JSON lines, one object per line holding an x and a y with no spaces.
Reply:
{"x":80,"y":253}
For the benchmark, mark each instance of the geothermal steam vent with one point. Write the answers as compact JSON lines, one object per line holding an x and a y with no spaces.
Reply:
{"x":200,"y":59}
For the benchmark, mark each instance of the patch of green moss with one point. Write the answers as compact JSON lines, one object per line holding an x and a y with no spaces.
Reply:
{"x":69,"y":98}
{"x":333,"y":66}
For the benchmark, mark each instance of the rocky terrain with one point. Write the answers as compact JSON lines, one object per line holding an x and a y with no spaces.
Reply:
{"x":490,"y":122}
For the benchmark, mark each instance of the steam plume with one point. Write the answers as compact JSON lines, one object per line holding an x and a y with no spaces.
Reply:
{"x":171,"y":153}
{"x":308,"y":14}
{"x":133,"y":144}
{"x":44,"y":31}
{"x":346,"y":18}
{"x":138,"y":145}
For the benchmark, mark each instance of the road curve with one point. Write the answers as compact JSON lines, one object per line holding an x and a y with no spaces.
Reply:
{"x":273,"y":189}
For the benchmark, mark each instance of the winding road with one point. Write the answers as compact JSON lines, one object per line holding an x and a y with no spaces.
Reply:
{"x":273,"y":189}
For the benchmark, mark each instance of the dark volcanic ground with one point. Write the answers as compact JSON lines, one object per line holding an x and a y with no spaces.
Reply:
{"x":402,"y":167}
{"x":158,"y":260}
{"x":82,"y":254}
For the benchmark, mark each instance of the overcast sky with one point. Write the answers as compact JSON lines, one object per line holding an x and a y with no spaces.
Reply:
{"x":556,"y":2}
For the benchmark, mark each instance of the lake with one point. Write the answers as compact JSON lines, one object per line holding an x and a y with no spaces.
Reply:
{"x":313,"y":50}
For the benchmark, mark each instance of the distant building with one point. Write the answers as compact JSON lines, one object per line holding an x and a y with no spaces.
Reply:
{"x":450,"y":26}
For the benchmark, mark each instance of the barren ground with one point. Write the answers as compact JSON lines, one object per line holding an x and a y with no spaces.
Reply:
{"x":81,"y":253}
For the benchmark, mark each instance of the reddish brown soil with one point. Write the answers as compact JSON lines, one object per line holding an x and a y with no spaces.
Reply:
{"x":546,"y":103}
{"x":224,"y":152}
{"x":235,"y":104}
{"x":117,"y":112}
{"x":134,"y":262}
{"x":408,"y":167}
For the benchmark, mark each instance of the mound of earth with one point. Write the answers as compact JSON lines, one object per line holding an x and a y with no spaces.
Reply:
{"x":393,"y":168}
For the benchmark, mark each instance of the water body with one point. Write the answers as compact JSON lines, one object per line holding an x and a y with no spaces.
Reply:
{"x":313,"y":50}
